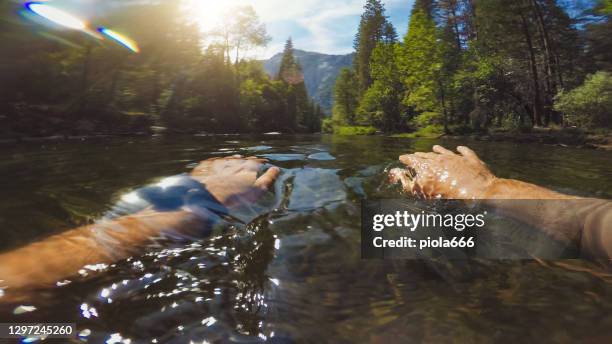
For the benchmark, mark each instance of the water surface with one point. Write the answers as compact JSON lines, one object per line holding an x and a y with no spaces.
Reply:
{"x":294,"y":274}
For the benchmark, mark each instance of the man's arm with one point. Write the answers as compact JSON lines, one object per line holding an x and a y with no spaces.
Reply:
{"x":443,"y":173}
{"x":60,"y":256}
{"x":231,"y":181}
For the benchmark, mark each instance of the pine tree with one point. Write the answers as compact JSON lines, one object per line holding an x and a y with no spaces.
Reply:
{"x":426,"y":7}
{"x":373,"y":28}
{"x":381,"y":104}
{"x":298,"y":116}
{"x":289,"y":68}
{"x":345,"y":97}
{"x":420,"y":60}
{"x":598,"y":36}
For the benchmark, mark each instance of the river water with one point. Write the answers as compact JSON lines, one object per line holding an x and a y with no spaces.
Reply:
{"x":295,"y":274}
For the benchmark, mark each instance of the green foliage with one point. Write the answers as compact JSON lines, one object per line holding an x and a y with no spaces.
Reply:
{"x":420,"y":60}
{"x":289,"y":70}
{"x":327,"y":126}
{"x":302,"y":114}
{"x":598,"y":36}
{"x":430,"y":131}
{"x":606,"y":7}
{"x":346,"y":96}
{"x":373,"y":28}
{"x":370,"y":105}
{"x":354,"y":130}
{"x":242,"y":31}
{"x":426,"y":119}
{"x":380,"y":104}
{"x":64,"y":82}
{"x":468,"y":65}
{"x":589,"y":105}
{"x":370,"y":94}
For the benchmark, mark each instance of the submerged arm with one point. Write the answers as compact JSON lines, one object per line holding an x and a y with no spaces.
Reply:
{"x":231,"y":181}
{"x":59,"y":256}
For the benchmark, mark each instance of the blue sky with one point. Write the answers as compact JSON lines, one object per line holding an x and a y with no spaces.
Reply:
{"x":326,"y":26}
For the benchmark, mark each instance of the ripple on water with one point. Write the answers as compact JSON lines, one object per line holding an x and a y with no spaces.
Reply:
{"x":314,"y":188}
{"x":325,"y":156}
{"x":257,"y":148}
{"x":284,"y":157}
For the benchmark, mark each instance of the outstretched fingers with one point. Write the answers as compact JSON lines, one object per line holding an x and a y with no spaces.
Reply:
{"x":415,"y":160}
{"x":406,"y":159}
{"x":424,"y":155}
{"x":468,"y":154}
{"x":268,"y":178}
{"x":441,"y":150}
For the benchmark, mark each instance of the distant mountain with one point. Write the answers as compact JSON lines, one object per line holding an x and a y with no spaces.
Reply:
{"x":320,"y":72}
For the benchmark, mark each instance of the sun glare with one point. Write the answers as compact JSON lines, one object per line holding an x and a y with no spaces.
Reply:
{"x":56,"y":15}
{"x":121,"y":39}
{"x":209,"y":14}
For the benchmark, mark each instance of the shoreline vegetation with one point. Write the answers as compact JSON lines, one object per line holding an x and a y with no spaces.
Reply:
{"x":184,"y":78}
{"x":529,"y":71}
{"x":563,"y":137}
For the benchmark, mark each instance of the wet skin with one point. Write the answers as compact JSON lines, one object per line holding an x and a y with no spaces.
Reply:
{"x":445,"y":174}
{"x":232,"y":181}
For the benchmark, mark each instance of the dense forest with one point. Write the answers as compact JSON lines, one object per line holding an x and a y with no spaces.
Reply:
{"x":64,"y":82}
{"x":470,"y":65}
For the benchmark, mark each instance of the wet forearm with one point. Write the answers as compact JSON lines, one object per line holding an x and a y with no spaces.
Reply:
{"x":514,"y":189}
{"x":585,"y":222}
{"x":60,"y":256}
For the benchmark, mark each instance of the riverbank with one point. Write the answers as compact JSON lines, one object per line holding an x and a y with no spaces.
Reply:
{"x":561,"y":137}
{"x":571,"y":137}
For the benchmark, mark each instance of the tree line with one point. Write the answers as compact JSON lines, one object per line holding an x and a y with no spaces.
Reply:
{"x":67,"y":83}
{"x":468,"y":65}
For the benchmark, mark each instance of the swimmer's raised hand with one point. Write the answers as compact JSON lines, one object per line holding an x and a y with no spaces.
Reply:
{"x":444,"y":174}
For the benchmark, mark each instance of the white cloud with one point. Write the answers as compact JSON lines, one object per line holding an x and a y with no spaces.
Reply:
{"x":325,"y":34}
{"x":319,"y":18}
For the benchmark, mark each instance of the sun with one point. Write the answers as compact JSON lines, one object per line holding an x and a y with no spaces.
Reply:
{"x":209,"y":14}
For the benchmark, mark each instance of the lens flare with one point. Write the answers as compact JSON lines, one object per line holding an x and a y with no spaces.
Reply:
{"x":121,"y":39}
{"x":56,"y":15}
